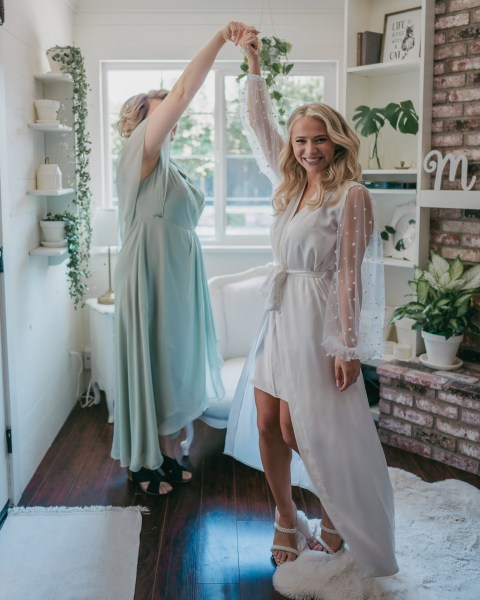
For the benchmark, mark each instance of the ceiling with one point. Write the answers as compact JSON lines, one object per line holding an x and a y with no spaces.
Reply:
{"x":222,"y":6}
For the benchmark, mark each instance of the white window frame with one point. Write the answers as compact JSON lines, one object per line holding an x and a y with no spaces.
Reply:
{"x":327,"y":69}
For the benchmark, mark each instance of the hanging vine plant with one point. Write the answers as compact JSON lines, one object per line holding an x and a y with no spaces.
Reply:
{"x":70,"y":61}
{"x":273,"y":62}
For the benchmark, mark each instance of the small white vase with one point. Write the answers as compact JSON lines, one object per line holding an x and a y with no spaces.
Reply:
{"x":49,"y":176}
{"x":375,"y":151}
{"x":441,"y":351}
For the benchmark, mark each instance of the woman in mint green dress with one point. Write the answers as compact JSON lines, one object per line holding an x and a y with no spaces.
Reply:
{"x":167,"y":360}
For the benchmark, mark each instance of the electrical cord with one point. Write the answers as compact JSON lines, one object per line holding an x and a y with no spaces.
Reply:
{"x":86,"y":399}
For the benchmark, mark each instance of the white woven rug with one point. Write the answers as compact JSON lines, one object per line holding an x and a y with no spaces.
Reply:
{"x":63,"y":553}
{"x":437,"y":530}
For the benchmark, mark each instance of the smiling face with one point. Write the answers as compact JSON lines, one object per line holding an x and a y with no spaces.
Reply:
{"x":312,"y":147}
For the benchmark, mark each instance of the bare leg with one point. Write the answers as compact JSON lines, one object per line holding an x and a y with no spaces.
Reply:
{"x":276,"y":457}
{"x":168,"y":447}
{"x":332,"y":539}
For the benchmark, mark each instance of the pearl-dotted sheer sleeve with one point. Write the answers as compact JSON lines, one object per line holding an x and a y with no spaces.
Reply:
{"x":261,"y":127}
{"x":356,"y":302}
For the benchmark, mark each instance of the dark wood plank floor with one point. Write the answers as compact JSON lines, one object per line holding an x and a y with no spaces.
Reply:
{"x":207,"y":540}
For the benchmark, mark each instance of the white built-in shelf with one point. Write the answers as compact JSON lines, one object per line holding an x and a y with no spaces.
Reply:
{"x":52,"y":252}
{"x":388,"y":68}
{"x":398,"y":262}
{"x":382,"y":192}
{"x":57,"y":127}
{"x":62,"y":192}
{"x":56,"y":76}
{"x":450,"y":199}
{"x":409,"y":174}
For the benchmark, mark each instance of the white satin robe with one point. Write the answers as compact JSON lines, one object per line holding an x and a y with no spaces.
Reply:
{"x":324,"y":274}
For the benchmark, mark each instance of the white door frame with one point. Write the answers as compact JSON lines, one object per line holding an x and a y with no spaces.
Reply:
{"x":6,"y":467}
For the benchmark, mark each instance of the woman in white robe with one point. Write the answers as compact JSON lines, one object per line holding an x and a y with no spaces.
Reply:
{"x":324,"y":313}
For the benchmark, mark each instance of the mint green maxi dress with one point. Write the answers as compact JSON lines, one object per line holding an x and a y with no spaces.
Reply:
{"x":167,"y":359}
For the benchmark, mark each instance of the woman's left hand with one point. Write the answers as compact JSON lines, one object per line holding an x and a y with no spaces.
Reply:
{"x":346,"y":373}
{"x":234,"y":31}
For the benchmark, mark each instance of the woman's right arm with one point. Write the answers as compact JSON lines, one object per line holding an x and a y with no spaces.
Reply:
{"x":261,"y":125}
{"x":164,"y":118}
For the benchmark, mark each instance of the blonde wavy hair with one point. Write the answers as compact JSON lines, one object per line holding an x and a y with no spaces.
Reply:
{"x":344,"y":166}
{"x":135,"y":109}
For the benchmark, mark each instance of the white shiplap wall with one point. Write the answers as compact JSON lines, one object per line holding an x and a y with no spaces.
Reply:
{"x":40,"y":323}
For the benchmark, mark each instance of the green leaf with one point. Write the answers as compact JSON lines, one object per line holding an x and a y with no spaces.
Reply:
{"x":456,"y":269}
{"x":402,"y":117}
{"x":422,"y":291}
{"x":472,"y":272}
{"x":438,"y":265}
{"x":368,"y":121}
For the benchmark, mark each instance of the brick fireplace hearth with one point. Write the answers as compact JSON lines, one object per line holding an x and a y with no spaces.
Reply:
{"x":432,"y":413}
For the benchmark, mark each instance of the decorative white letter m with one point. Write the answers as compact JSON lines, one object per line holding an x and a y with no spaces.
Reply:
{"x":434,"y":161}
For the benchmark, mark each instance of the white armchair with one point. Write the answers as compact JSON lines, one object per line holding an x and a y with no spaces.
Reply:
{"x":238,"y":308}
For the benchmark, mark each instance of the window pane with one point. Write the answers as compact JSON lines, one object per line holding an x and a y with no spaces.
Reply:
{"x":248,"y":191}
{"x":301,"y":89}
{"x":231,"y":181}
{"x":195,"y":132}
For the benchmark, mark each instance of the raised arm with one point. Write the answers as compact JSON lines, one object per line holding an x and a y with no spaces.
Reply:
{"x":260,"y":123}
{"x":164,"y":118}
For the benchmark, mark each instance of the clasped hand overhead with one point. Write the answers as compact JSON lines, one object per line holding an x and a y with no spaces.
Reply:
{"x":234,"y":31}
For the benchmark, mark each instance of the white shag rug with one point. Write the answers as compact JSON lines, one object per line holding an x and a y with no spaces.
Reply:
{"x":61,"y":553}
{"x":437,"y":536}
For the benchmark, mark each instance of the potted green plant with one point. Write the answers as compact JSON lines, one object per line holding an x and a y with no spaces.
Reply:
{"x":273,"y":63}
{"x":69,"y":60}
{"x":66,"y":228}
{"x":443,"y":307}
{"x":370,"y":121}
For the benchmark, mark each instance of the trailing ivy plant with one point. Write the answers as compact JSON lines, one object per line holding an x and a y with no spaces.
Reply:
{"x":71,"y":62}
{"x":273,"y":62}
{"x":74,"y":269}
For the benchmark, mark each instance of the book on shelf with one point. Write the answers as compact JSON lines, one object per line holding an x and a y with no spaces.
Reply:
{"x":369,"y":46}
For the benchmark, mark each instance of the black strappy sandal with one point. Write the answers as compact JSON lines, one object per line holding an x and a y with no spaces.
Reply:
{"x":174,"y":470}
{"x":154,"y":479}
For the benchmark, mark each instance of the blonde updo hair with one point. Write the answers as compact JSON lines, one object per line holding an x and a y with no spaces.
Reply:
{"x":135,"y":110}
{"x":344,"y":166}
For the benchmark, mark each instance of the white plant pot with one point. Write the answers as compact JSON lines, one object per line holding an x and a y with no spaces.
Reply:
{"x":441,"y":351}
{"x":52,"y":231}
{"x":406,"y":336}
{"x":47,"y":110}
{"x":54,"y":65}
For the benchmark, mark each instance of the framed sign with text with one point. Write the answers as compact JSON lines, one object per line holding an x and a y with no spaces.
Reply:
{"x":401,"y":35}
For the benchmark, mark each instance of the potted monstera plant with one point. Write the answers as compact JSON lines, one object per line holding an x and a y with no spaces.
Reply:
{"x":370,"y":121}
{"x":443,"y":307}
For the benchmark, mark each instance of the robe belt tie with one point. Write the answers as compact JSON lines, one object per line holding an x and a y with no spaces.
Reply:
{"x":274,"y":283}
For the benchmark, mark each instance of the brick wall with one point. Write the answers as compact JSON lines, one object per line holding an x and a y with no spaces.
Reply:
{"x":432,"y":413}
{"x":456,"y":127}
